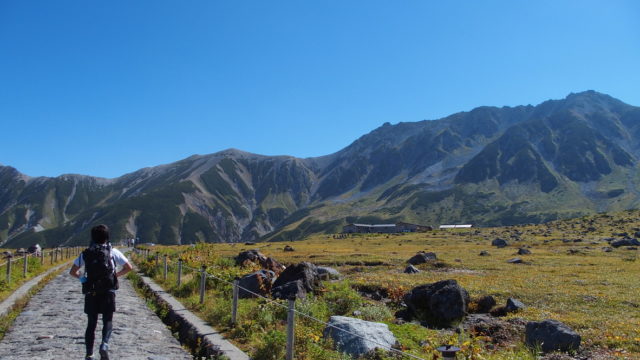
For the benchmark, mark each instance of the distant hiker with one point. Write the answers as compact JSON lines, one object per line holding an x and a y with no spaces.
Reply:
{"x":99,"y":283}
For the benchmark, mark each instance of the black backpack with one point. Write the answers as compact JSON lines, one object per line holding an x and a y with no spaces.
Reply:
{"x":100,"y":270}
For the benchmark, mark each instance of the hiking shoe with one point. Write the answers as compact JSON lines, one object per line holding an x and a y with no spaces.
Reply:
{"x":104,"y":352}
{"x":89,"y":357}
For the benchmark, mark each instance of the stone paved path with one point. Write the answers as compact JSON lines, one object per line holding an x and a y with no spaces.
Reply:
{"x":52,"y":326}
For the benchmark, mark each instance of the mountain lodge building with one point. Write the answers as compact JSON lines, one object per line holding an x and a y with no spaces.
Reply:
{"x":384,"y":228}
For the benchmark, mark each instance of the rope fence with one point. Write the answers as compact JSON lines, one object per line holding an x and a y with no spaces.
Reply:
{"x":291,"y":311}
{"x":55,"y":255}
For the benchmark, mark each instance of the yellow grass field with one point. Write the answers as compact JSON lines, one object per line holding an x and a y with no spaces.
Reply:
{"x":568,"y":277}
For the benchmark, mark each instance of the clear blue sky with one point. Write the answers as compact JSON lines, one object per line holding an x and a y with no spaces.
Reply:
{"x":104,"y":88}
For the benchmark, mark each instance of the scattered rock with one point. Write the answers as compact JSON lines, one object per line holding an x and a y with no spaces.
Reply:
{"x":440,"y":304}
{"x":359,"y":337}
{"x":411,"y":270}
{"x":500,"y":243}
{"x":289,"y":248}
{"x":484,"y":253}
{"x":249,"y":243}
{"x":607,"y":249}
{"x":551,"y":335}
{"x":422,"y":257}
{"x":621,"y":242}
{"x":514,"y":305}
{"x":631,"y":248}
{"x":523,"y":251}
{"x":515,"y":261}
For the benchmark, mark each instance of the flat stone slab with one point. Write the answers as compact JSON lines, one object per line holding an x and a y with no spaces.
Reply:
{"x":52,"y":326}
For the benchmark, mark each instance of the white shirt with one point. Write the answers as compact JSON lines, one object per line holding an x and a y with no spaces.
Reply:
{"x":116,"y":256}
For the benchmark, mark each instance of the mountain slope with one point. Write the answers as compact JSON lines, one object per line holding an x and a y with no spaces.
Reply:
{"x":488,"y":166}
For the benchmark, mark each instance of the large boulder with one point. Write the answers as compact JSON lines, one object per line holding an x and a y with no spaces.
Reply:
{"x":258,"y":282}
{"x":551,"y":335}
{"x":422,"y":257}
{"x":306,"y":272}
{"x":440,"y":304}
{"x":289,"y":291}
{"x":500,"y":243}
{"x":359,"y":337}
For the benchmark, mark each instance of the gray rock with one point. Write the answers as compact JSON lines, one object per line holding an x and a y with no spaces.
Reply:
{"x":289,"y":291}
{"x":514,"y":305}
{"x":411,"y":270}
{"x":607,"y":249}
{"x":515,"y":261}
{"x":484,"y":253}
{"x":621,"y":242}
{"x":306,"y":272}
{"x":523,"y":251}
{"x":500,"y":243}
{"x":359,"y":337}
{"x":422,"y":257}
{"x":551,"y":335}
{"x":288,"y":248}
{"x":441,"y":304}
{"x":328,"y":273}
{"x":258,"y":282}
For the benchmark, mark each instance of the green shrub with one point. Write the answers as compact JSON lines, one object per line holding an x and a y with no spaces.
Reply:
{"x":273,"y":346}
{"x":341,"y":298}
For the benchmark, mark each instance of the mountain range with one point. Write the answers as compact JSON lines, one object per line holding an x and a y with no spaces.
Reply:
{"x":489,"y":166}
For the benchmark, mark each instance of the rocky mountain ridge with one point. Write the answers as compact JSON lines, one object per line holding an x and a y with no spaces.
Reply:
{"x":488,"y":166}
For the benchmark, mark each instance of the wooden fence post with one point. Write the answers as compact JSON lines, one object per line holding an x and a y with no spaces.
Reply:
{"x":179,"y":272}
{"x":8,"y":270}
{"x":165,"y":267}
{"x":41,"y":257}
{"x":234,"y":309}
{"x":290,"y":327}
{"x":203,"y":279}
{"x":157,"y":258}
{"x":24,"y":265}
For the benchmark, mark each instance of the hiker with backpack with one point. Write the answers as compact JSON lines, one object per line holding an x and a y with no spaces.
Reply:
{"x":99,"y":283}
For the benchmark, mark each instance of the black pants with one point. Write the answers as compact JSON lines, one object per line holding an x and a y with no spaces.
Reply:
{"x":90,"y":334}
{"x":94,"y":304}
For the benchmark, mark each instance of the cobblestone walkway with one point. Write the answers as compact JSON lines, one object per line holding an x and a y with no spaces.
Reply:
{"x":52,"y":326}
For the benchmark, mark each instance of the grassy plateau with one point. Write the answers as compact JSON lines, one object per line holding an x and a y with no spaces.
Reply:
{"x":572,"y":275}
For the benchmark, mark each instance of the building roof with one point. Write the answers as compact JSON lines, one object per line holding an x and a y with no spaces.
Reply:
{"x":455,"y":226}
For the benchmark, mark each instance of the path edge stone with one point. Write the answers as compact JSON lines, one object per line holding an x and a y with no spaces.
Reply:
{"x":192,"y":328}
{"x":8,"y":304}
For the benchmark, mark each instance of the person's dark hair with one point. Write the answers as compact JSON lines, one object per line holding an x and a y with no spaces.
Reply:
{"x":100,"y":234}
